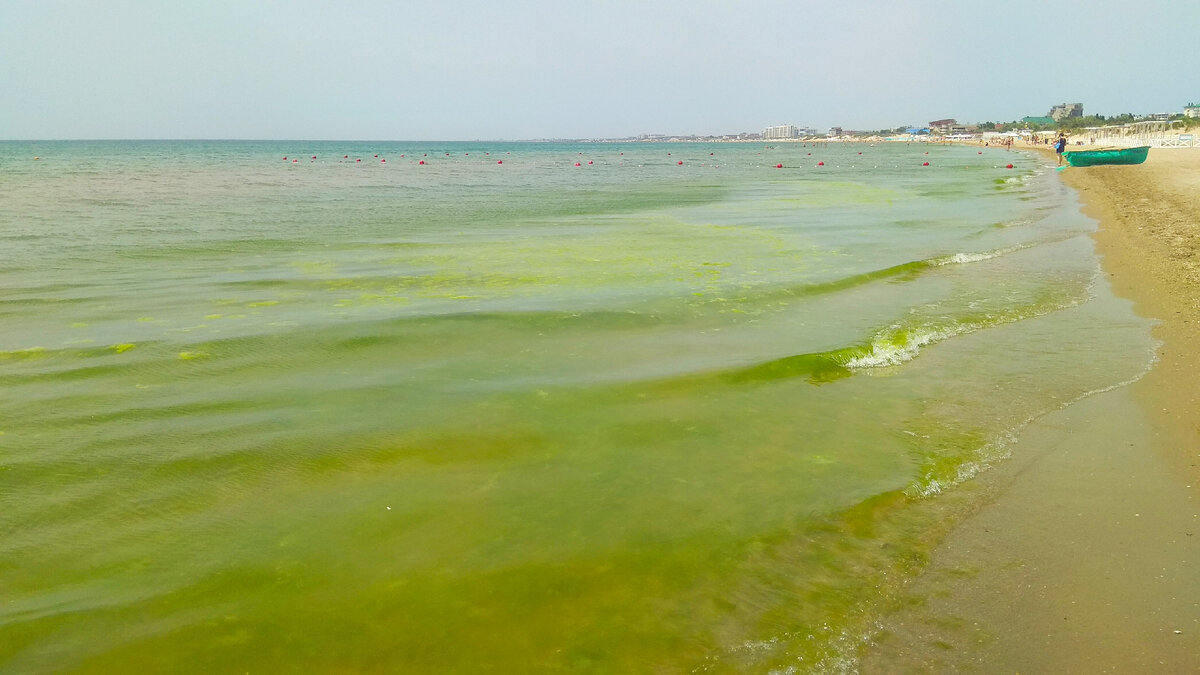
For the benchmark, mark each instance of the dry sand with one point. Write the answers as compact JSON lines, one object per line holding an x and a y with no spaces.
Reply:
{"x":1086,"y":558}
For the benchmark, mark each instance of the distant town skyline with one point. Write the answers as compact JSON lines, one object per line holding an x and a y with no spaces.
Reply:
{"x":534,"y":68}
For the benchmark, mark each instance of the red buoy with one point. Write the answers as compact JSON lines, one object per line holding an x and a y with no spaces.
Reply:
{"x":778,"y":166}
{"x":1009,"y":166}
{"x":422,"y":162}
{"x":681,"y":162}
{"x":383,"y":161}
{"x":578,"y":164}
{"x":285,"y":158}
{"x":345,"y":156}
{"x":925,"y":164}
{"x":820,"y":163}
{"x":358,"y":160}
{"x":589,"y":161}
{"x":295,"y":160}
{"x":499,"y":161}
{"x":314,"y":156}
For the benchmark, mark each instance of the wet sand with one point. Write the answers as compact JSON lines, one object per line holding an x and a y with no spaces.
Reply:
{"x":1085,"y":556}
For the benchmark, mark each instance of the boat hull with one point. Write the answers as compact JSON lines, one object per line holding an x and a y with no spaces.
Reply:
{"x":1114,"y":156}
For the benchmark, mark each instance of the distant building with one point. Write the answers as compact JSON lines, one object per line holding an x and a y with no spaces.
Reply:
{"x":808,"y":131}
{"x":1062,"y":111}
{"x":1040,"y":121}
{"x":1191,"y":110}
{"x":1156,"y":117}
{"x":781,"y":131}
{"x":834,"y":132}
{"x":942,"y":126}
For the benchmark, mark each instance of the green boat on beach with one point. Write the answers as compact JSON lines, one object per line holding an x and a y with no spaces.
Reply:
{"x":1107,"y":156}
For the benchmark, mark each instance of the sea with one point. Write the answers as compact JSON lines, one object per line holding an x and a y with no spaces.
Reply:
{"x":415,"y":407}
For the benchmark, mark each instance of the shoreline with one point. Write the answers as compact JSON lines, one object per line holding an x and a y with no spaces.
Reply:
{"x":1083,"y":556}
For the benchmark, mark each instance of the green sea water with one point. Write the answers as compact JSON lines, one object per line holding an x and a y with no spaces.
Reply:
{"x":673,"y":409}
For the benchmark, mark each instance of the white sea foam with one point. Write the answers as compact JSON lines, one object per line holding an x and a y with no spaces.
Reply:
{"x":885,"y":352}
{"x":967,"y":258}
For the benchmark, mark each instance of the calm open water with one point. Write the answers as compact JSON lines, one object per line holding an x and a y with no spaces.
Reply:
{"x":259,"y":415}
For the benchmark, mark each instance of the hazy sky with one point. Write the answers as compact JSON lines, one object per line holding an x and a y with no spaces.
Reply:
{"x":490,"y":69}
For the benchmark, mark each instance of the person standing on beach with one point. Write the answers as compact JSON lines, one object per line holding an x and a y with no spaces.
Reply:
{"x":1059,"y":146}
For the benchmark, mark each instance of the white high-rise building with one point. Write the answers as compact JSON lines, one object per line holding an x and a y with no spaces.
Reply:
{"x":781,"y":131}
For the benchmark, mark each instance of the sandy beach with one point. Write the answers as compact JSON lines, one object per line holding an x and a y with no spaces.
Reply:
{"x":1084,"y":557}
